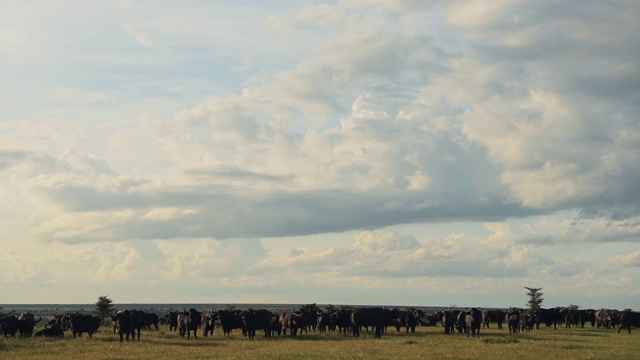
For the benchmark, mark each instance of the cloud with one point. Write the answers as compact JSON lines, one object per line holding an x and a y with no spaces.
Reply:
{"x":381,"y":119}
{"x":632,"y":260}
{"x":139,"y":36}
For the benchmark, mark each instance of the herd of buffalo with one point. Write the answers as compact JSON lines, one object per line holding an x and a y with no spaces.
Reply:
{"x":127,"y":324}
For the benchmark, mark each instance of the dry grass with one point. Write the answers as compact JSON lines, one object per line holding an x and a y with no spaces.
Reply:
{"x":564,"y":344}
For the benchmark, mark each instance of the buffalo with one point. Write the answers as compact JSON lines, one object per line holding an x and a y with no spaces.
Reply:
{"x":26,"y":323}
{"x":208,"y":323}
{"x":229,"y":320}
{"x":257,"y":320}
{"x":151,"y":319}
{"x":473,"y":319}
{"x":406,"y":319}
{"x":276,"y":326}
{"x":189,"y":320}
{"x":64,"y":321}
{"x":602,"y":318}
{"x":448,"y":320}
{"x":324,"y":321}
{"x":513,"y":320}
{"x":429,"y":320}
{"x":84,"y":323}
{"x":172,"y":319}
{"x":9,"y":325}
{"x":377,"y":317}
{"x":629,"y":319}
{"x":129,"y":323}
{"x":527,"y":320}
{"x":492,"y":316}
{"x":548,"y":317}
{"x":341,"y":319}
{"x":293,"y":321}
{"x":461,"y":322}
{"x":54,"y":330}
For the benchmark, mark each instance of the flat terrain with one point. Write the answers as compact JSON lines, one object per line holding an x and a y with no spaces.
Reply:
{"x":426,"y":343}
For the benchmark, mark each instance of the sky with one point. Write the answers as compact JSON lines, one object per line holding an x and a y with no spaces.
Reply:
{"x":397,"y":152}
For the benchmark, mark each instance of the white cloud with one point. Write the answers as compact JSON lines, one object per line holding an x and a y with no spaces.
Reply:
{"x":360,"y":116}
{"x":632,"y":259}
{"x":139,"y":36}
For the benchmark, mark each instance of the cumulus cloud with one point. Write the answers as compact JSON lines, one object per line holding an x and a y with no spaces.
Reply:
{"x":364,"y":117}
{"x":632,"y":259}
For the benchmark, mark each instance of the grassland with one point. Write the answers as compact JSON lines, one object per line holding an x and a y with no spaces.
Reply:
{"x":426,"y":343}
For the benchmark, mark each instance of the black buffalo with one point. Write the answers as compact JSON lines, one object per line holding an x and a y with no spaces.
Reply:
{"x":9,"y":325}
{"x":429,"y":319}
{"x":84,"y":324}
{"x":151,"y":319}
{"x":324,"y":321}
{"x":54,"y":330}
{"x":448,"y":318}
{"x":26,"y":323}
{"x":172,"y":319}
{"x":406,"y":319}
{"x":341,"y":319}
{"x":492,"y":316}
{"x":548,"y":317}
{"x":229,"y":320}
{"x":629,"y":319}
{"x":129,"y":323}
{"x":376,"y":317}
{"x":257,"y":320}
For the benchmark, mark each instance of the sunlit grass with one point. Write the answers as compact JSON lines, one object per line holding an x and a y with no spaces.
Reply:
{"x":426,"y":343}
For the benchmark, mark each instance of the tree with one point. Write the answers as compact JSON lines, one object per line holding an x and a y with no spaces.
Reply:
{"x":535,"y":298}
{"x":103,"y":307}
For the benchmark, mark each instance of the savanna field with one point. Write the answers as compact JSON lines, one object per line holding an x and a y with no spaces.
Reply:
{"x":426,"y":343}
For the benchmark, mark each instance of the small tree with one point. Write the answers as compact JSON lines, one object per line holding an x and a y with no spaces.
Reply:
{"x":535,"y":298}
{"x":103,"y":307}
